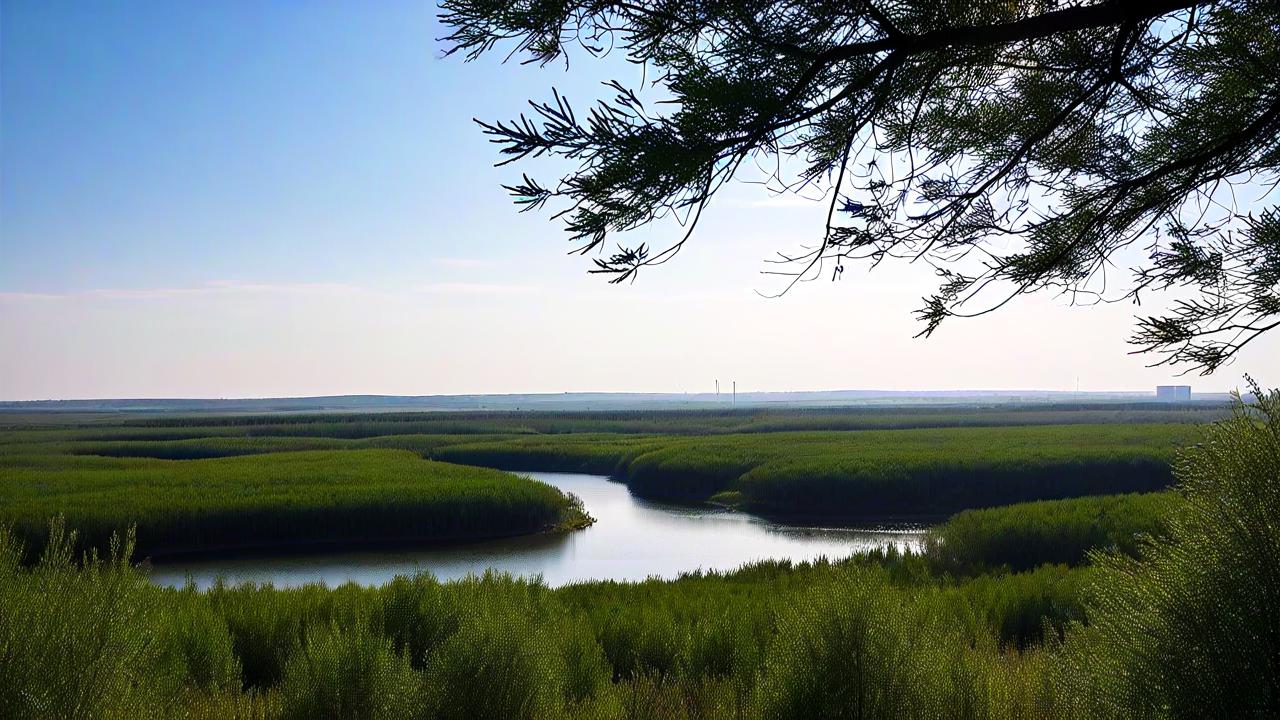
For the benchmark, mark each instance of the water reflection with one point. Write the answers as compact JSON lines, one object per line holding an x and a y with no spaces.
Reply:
{"x":632,"y":539}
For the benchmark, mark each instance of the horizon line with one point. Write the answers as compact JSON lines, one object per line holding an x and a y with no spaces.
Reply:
{"x":580,"y":393}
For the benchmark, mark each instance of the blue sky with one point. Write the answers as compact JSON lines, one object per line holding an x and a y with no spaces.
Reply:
{"x":235,"y":198}
{"x":182,"y":141}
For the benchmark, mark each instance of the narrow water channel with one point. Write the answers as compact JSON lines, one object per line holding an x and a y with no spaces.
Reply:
{"x":632,"y":539}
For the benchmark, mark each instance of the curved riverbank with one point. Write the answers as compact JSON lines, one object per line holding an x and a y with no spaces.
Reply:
{"x":834,"y":475}
{"x":228,"y":494}
{"x":631,"y":539}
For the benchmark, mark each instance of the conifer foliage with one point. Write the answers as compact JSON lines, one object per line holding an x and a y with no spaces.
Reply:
{"x":1015,"y":146}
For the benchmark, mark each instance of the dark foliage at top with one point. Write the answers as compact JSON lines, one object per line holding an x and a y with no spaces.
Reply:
{"x":1014,"y":146}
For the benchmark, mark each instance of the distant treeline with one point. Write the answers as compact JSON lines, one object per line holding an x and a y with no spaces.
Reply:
{"x":681,"y":422}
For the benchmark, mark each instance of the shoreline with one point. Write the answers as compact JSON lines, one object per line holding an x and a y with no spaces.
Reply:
{"x":824,"y":521}
{"x":286,"y":548}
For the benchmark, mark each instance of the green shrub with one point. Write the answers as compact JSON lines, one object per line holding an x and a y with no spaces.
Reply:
{"x":496,"y":666}
{"x":417,"y":615}
{"x":348,"y":673}
{"x":1019,"y":608}
{"x":80,"y":642}
{"x":859,"y":648}
{"x":1191,"y":627}
{"x":198,"y":642}
{"x":267,"y":625}
{"x":852,"y":650}
{"x":585,"y":670}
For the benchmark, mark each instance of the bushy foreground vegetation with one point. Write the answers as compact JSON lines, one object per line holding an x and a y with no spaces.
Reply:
{"x":100,"y":641}
{"x":269,"y":500}
{"x":1193,"y":624}
{"x":1188,"y":628}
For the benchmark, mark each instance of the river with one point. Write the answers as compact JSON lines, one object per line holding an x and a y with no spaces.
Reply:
{"x":632,"y":539}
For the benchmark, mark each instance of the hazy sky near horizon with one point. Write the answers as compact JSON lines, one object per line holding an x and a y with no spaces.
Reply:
{"x":271,"y":199}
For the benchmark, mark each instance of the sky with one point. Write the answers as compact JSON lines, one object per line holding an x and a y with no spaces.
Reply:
{"x":243,"y":199}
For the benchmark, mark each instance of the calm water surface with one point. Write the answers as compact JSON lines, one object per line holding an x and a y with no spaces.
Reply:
{"x":632,"y":539}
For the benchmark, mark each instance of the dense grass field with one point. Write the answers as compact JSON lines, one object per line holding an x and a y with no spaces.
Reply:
{"x":926,"y":471}
{"x":1153,"y":605}
{"x":51,"y":426}
{"x":858,"y":474}
{"x":338,"y":498}
{"x":226,"y":482}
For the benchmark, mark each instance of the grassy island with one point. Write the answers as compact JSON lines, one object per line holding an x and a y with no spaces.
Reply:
{"x":282,"y":499}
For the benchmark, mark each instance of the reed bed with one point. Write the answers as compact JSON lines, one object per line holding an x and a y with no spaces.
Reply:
{"x":861,"y":474}
{"x":930,"y":472}
{"x":1026,"y":535}
{"x":1183,"y":627}
{"x":278,"y":499}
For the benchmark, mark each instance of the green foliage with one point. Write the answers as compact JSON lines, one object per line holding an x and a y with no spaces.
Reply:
{"x":493,"y":646}
{"x":199,"y":645}
{"x":203,"y":447}
{"x":588,"y":453}
{"x":219,"y":493}
{"x":1026,"y":535}
{"x":417,"y":616}
{"x":1014,"y":145}
{"x":866,"y":473}
{"x":854,"y":651}
{"x":1185,"y":629}
{"x":421,"y":431}
{"x":1020,"y":608}
{"x":348,"y":673}
{"x":496,"y":665}
{"x":1191,"y":628}
{"x":275,"y":499}
{"x":95,"y":640}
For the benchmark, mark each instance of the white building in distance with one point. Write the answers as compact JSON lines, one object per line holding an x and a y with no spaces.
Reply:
{"x":1173,"y":393}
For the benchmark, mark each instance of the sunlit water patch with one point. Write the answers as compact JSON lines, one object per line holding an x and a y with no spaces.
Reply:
{"x":632,"y":539}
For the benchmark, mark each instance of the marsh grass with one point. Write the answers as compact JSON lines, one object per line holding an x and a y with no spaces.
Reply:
{"x":1026,"y":535}
{"x":757,"y":460}
{"x":1183,"y":626}
{"x":337,"y":498}
{"x":859,"y":474}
